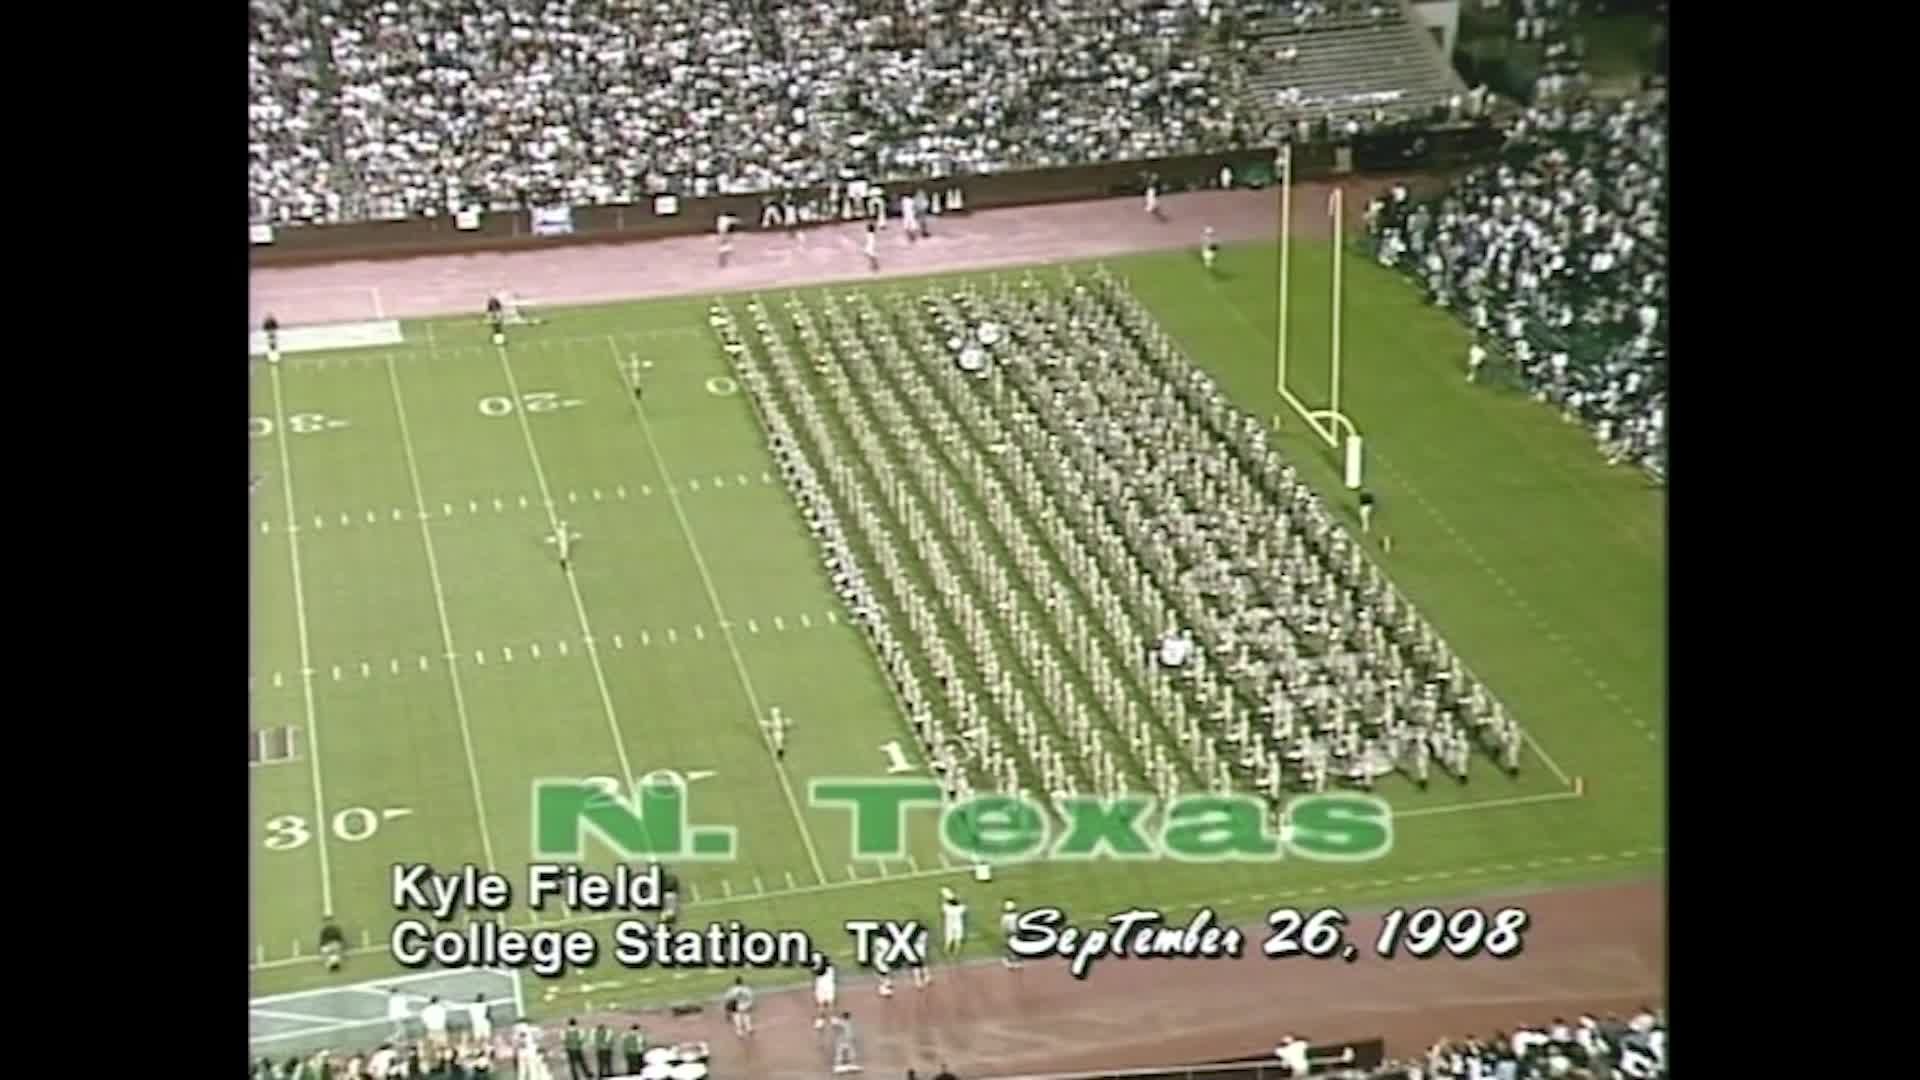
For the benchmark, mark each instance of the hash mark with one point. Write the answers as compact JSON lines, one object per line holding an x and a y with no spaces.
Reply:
{"x":673,"y":636}
{"x":693,"y":887}
{"x":563,"y":647}
{"x":779,"y":623}
{"x":423,"y":663}
{"x":480,"y":658}
{"x":446,"y":509}
{"x":726,"y":887}
{"x":851,"y":876}
{"x":498,"y":506}
{"x":742,"y":478}
{"x":277,"y":683}
{"x":365,"y":670}
{"x":372,"y":517}
{"x":833,"y":617}
{"x":620,"y":492}
{"x":645,"y":639}
{"x":805,"y":623}
{"x":396,"y":513}
{"x":318,"y":523}
{"x":536,"y":650}
{"x":573,"y":496}
{"x":596,"y":494}
{"x":618,"y":643}
{"x":265,"y":528}
{"x":344,"y":519}
{"x":757,"y":887}
{"x":523,"y":502}
{"x":336,"y":673}
{"x":719,"y":481}
{"x":645,"y":489}
{"x":766,"y":478}
{"x":698,"y":633}
{"x":753,"y":627}
{"x":693,"y":483}
{"x":790,"y":883}
{"x":507,"y":652}
{"x":473,"y":506}
{"x":393,"y":666}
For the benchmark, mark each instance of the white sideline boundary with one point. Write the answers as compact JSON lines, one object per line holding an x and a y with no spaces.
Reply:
{"x":330,"y":337}
{"x":317,"y":1025}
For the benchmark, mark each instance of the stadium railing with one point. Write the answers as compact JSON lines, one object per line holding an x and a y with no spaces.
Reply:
{"x":1406,"y":150}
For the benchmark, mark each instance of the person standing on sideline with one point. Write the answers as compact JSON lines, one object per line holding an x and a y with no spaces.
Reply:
{"x":272,"y":328}
{"x":953,"y":921}
{"x":872,"y":245}
{"x":434,"y":1018}
{"x":397,"y":1015}
{"x":603,"y":1048}
{"x":723,"y":227}
{"x":1209,"y":249}
{"x":633,"y":1047}
{"x":1008,"y":919}
{"x":529,"y":1064}
{"x":333,"y":943}
{"x":1153,"y":198}
{"x":846,"y":1058}
{"x":944,"y":1073}
{"x":1366,"y":511}
{"x":1476,"y":357}
{"x":740,"y":1006}
{"x":575,"y":1042}
{"x":479,"y":1023}
{"x":825,"y":994}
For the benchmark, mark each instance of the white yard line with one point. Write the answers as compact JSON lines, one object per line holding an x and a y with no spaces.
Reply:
{"x":440,"y":608}
{"x":573,"y":586}
{"x":320,"y":823}
{"x":720,"y":615}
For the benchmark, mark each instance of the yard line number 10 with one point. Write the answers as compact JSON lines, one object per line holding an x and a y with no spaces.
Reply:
{"x":290,"y":832}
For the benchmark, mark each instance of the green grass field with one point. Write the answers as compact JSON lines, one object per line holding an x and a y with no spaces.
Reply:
{"x":420,"y":478}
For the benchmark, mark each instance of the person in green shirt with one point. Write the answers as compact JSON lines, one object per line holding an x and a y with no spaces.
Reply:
{"x":633,"y":1047}
{"x":603,"y":1048}
{"x":575,"y":1041}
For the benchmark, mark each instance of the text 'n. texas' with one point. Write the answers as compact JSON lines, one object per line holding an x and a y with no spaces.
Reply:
{"x":486,"y":939}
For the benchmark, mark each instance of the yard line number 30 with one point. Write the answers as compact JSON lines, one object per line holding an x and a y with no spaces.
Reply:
{"x":290,"y":832}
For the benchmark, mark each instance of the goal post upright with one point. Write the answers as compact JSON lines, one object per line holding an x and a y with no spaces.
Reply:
{"x":1285,"y":257}
{"x":1331,"y":424}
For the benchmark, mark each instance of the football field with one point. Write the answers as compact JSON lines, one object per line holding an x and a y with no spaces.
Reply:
{"x":420,"y":657}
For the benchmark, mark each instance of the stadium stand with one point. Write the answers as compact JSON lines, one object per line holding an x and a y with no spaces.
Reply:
{"x":1556,"y":256}
{"x":1351,"y":64}
{"x":386,"y":110}
{"x":1589,"y":1048}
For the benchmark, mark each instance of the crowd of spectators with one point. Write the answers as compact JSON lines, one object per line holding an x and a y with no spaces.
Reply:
{"x":1587,"y":1049}
{"x":291,"y":175}
{"x":1556,"y":256}
{"x":432,"y":106}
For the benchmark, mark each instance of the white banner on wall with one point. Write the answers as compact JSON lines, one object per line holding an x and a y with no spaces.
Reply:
{"x":553,"y":221}
{"x":466,"y":220}
{"x":259,"y":234}
{"x":666,"y":205}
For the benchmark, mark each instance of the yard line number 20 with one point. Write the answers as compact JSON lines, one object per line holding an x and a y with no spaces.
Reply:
{"x":289,"y":832}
